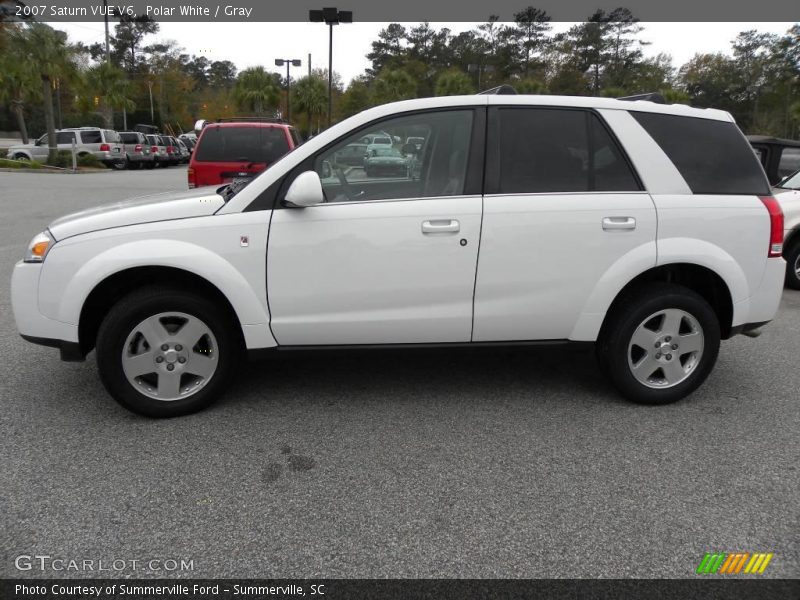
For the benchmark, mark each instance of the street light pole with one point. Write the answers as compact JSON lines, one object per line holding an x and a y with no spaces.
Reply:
{"x":289,"y":62}
{"x":330,"y":16}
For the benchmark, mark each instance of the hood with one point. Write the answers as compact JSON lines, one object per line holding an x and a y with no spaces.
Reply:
{"x":198,"y":202}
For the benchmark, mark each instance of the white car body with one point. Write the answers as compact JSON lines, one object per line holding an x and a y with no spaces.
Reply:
{"x":362,"y":273}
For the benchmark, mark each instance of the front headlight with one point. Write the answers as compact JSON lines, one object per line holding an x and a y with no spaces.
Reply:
{"x":39,"y":247}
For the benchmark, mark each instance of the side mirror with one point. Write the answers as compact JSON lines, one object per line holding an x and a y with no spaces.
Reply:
{"x":306,"y":190}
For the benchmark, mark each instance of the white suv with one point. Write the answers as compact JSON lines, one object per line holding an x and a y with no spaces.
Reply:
{"x":648,"y":229}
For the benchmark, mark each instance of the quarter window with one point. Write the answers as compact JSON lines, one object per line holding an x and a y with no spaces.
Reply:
{"x":91,"y":137}
{"x":377,"y":164}
{"x":543,"y":150}
{"x":712,"y":156}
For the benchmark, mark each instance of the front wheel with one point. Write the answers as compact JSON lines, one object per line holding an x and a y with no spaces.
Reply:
{"x":793,"y":267}
{"x":163,"y":352}
{"x":659,"y":344}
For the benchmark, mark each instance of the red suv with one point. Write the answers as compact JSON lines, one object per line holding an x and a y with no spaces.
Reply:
{"x":239,"y":149}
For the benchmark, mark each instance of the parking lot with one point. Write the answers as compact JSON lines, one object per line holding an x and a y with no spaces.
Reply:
{"x":482,"y":464}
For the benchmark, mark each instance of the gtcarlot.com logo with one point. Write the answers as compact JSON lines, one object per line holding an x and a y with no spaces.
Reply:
{"x":734,"y":563}
{"x":44,"y":562}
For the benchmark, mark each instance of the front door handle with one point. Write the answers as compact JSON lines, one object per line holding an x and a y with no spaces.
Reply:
{"x":441,"y":226}
{"x":616,"y":223}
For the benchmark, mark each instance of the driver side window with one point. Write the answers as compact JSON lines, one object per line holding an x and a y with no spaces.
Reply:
{"x":417,"y":156}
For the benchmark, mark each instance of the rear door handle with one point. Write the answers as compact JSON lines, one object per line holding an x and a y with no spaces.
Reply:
{"x":441,"y":226}
{"x":614,"y":223}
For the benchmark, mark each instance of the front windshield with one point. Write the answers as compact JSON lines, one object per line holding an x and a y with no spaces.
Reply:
{"x":792,"y":182}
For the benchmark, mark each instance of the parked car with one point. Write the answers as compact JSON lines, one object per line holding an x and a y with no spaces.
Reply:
{"x":787,"y":193}
{"x":779,"y":157}
{"x":105,"y":144}
{"x":238,"y":149}
{"x":158,"y":149}
{"x":190,"y":140}
{"x":386,"y":161}
{"x":535,"y":219}
{"x":137,"y":149}
{"x":416,"y":141}
{"x":352,"y":155}
{"x":184,"y":151}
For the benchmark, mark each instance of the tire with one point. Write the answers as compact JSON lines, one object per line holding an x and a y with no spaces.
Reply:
{"x":653,"y":314}
{"x":793,"y":266}
{"x":20,"y":157}
{"x":151,"y":165}
{"x":199,"y":373}
{"x":120,"y":166}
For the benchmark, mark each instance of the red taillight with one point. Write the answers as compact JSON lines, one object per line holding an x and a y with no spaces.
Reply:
{"x":137,"y":148}
{"x":190,"y":175}
{"x":170,"y":149}
{"x":153,"y":148}
{"x":775,"y":226}
{"x":105,"y":148}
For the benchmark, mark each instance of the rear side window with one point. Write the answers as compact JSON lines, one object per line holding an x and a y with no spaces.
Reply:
{"x":112,"y":137}
{"x":153,"y":140}
{"x":241,"y":144}
{"x":91,"y":137}
{"x":541,"y":150}
{"x":712,"y":156}
{"x":129,"y":138}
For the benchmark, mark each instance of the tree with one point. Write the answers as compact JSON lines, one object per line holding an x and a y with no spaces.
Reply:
{"x":531,"y":32}
{"x":109,"y":85}
{"x":392,"y":85}
{"x":19,"y":83}
{"x":221,"y":74}
{"x":310,"y":95}
{"x":453,"y":82}
{"x":129,"y":33}
{"x":387,"y":48}
{"x":355,"y":98}
{"x":50,"y":55}
{"x":257,"y":90}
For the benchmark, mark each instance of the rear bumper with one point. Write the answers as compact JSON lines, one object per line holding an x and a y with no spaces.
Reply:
{"x":765,"y":301}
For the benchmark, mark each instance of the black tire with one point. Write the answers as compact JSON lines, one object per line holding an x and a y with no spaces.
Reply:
{"x":792,"y":264}
{"x":151,"y":165}
{"x":131,"y":310}
{"x":628,"y":314}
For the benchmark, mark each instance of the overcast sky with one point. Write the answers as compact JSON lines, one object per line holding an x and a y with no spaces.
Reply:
{"x":251,"y":44}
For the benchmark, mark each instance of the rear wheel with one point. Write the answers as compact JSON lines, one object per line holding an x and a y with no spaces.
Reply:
{"x":659,"y":344}
{"x":163,"y":352}
{"x":793,"y":266}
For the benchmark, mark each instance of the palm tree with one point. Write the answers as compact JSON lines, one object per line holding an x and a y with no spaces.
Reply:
{"x":454,"y":82}
{"x":310,"y":95}
{"x":108,"y":84}
{"x":394,"y":84}
{"x":18,"y":84}
{"x":256,"y":90}
{"x":50,"y":56}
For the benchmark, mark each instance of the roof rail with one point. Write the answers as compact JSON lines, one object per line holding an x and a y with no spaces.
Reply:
{"x":649,"y":97}
{"x":251,"y":120}
{"x":502,"y":90}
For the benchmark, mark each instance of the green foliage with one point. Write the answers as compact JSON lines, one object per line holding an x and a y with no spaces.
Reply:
{"x":393,"y":85}
{"x":7,"y":163}
{"x":256,"y":90}
{"x":88,"y":160}
{"x":62,"y":159}
{"x":454,"y":82}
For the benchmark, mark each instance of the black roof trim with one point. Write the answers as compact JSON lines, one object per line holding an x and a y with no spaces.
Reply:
{"x":768,"y":139}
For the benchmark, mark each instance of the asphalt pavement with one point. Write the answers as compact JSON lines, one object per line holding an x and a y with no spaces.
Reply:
{"x":490,"y":463}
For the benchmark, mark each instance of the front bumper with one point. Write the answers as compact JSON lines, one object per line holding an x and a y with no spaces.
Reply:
{"x":33,"y":325}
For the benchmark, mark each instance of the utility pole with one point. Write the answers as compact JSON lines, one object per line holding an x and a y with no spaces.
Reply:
{"x":331,"y":17}
{"x":296,"y":62}
{"x":105,"y":18}
{"x":309,"y":65}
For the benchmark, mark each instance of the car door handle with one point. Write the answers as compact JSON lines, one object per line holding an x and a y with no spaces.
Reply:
{"x":441,"y":226}
{"x":614,"y":223}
